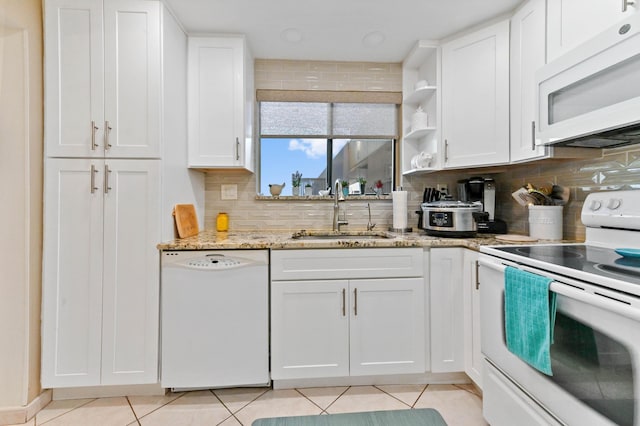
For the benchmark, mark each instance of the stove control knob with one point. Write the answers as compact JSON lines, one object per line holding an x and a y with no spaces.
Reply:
{"x":614,"y":203}
{"x":595,"y":205}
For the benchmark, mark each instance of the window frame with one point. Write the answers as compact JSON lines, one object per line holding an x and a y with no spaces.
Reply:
{"x":331,"y":97}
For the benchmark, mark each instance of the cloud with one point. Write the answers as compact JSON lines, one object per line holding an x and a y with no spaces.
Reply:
{"x":313,"y":148}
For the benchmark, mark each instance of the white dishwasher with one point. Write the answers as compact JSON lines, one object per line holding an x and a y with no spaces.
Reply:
{"x":214,"y":318}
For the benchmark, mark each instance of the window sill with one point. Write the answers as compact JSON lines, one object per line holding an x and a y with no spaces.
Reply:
{"x":321,"y":197}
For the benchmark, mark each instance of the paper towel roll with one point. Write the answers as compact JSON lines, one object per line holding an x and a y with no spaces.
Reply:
{"x":399,"y":209}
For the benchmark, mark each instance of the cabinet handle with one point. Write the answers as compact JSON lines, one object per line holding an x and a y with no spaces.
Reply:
{"x":533,"y":135}
{"x":446,"y":151}
{"x":237,"y":149}
{"x":107,"y":131}
{"x":106,"y":178}
{"x":626,"y":4}
{"x":477,"y":275}
{"x":94,"y":145}
{"x":93,"y":172}
{"x":355,"y":301}
{"x":344,"y":302}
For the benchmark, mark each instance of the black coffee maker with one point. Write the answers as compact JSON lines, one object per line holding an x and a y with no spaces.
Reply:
{"x":482,"y":190}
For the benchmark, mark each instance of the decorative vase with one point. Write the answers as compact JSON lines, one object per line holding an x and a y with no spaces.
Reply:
{"x":308,"y":191}
{"x":295,"y":191}
{"x":345,"y":191}
{"x":362,"y":189}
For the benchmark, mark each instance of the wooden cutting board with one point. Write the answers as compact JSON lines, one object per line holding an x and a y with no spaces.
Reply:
{"x":186,"y":220}
{"x":516,"y":238}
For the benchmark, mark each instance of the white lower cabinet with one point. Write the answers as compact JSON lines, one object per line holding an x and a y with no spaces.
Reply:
{"x":471,"y":294}
{"x":100,"y":273}
{"x":347,"y":326}
{"x":455,"y":312}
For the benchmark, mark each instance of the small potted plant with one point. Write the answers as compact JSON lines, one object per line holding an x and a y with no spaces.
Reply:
{"x":345,"y":187}
{"x":295,"y":182}
{"x":362,"y":182}
{"x":308,"y":189}
{"x":378,"y":187}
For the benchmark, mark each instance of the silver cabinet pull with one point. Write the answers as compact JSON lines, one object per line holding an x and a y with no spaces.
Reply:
{"x":446,"y":151}
{"x":106,"y":179}
{"x":626,"y":4}
{"x":533,"y":135}
{"x":93,"y":172}
{"x":477,"y":275}
{"x":94,"y":145}
{"x":344,"y":302}
{"x":107,"y":131}
{"x":237,"y":149}
{"x":355,"y":301}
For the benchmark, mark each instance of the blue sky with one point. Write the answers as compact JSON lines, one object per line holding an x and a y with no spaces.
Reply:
{"x":282,"y":157}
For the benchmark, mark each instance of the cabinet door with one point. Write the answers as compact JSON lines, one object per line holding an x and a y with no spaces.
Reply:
{"x":72,"y":273}
{"x":527,"y":56}
{"x":471,"y":292}
{"x":131,"y":272}
{"x":573,"y":22}
{"x":73,"y":78}
{"x":447,"y":316}
{"x":132,"y":78}
{"x":309,"y":329}
{"x":216,"y":102}
{"x":387,"y":326}
{"x":475,"y":99}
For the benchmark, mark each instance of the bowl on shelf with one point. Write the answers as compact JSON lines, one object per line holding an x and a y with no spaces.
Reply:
{"x":276,"y":189}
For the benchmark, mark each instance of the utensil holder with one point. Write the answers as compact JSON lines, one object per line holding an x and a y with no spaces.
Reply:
{"x":545,"y":222}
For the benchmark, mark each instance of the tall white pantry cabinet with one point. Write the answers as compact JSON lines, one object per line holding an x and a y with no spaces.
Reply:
{"x":114,"y":133}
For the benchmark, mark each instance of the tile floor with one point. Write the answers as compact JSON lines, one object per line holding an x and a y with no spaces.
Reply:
{"x":460,"y":405}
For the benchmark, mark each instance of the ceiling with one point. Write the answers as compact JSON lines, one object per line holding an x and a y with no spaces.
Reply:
{"x":335,"y":30}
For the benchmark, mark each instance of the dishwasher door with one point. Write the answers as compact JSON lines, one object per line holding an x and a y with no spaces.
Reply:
{"x":214,"y":319}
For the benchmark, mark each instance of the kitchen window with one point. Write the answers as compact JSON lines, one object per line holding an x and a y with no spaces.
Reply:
{"x":342,"y":135}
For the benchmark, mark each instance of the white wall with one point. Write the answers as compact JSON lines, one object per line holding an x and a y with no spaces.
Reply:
{"x":21,"y":195}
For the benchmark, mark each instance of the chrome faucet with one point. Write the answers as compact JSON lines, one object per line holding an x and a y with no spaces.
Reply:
{"x":337,"y":196}
{"x":370,"y":225}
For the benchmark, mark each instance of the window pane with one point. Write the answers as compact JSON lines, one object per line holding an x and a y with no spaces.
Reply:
{"x":361,"y":119}
{"x":294,"y":118}
{"x":281,"y":157}
{"x":370,"y":159}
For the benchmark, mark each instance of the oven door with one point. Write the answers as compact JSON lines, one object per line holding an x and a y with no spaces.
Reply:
{"x":595,"y":357}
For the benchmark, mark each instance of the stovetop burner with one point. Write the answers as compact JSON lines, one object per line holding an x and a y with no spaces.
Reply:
{"x":598,"y":261}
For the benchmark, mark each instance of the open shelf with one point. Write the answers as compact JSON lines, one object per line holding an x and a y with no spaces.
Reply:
{"x":417,"y":134}
{"x":419,"y":95}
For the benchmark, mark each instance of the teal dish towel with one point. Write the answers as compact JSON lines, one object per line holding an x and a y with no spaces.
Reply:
{"x":529,"y":316}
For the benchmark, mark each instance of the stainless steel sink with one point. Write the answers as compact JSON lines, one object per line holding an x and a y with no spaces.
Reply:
{"x":332,"y":235}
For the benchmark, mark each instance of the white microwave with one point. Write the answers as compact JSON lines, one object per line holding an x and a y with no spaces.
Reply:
{"x":590,"y":97}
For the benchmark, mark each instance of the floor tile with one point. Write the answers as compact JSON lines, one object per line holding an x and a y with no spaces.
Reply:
{"x":457,"y":406}
{"x":277,"y":403}
{"x":365,"y":398}
{"x":193,"y":408}
{"x":31,"y":422}
{"x":408,"y":394}
{"x":103,"y":412}
{"x":231,"y":421}
{"x":58,"y":408}
{"x":470,"y":388}
{"x":323,"y":397}
{"x":237,"y":398}
{"x":143,"y":405}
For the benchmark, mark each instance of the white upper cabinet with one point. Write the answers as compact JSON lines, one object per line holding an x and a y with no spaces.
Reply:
{"x":220,"y":102}
{"x":527,"y":55}
{"x":572,"y":22}
{"x":475,"y":98}
{"x":102,"y":84}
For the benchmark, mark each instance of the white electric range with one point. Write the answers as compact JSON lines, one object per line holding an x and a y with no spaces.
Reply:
{"x":595,"y":355}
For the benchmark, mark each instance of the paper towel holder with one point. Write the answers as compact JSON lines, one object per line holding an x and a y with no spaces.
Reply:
{"x":400,"y":230}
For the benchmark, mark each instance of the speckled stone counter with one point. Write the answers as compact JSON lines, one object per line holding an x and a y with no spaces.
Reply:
{"x":212,"y":240}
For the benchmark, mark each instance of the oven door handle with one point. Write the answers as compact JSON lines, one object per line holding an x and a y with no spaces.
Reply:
{"x":601,"y":301}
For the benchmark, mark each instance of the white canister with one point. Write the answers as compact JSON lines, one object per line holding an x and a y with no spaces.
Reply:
{"x":545,"y":222}
{"x":419,"y":120}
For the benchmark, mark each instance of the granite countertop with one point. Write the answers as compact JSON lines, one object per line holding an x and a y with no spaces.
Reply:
{"x":212,"y":240}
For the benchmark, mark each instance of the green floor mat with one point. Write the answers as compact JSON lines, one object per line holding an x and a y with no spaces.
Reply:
{"x":416,"y":417}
